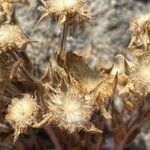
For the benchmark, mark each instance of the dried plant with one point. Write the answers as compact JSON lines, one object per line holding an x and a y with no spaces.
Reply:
{"x":22,"y":113}
{"x":72,"y":102}
{"x":140,"y":26}
{"x":69,"y":11}
{"x":11,"y":35}
{"x":69,"y":111}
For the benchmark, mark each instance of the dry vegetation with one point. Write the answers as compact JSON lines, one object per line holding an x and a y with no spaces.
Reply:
{"x":76,"y":105}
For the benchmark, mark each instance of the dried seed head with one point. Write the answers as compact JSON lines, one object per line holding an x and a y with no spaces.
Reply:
{"x":12,"y":35}
{"x":70,"y":111}
{"x":140,"y":28}
{"x":70,"y":11}
{"x":139,"y":78}
{"x":22,"y":113}
{"x":99,"y":84}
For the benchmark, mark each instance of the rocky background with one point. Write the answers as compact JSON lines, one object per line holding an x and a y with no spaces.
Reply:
{"x":107,"y":32}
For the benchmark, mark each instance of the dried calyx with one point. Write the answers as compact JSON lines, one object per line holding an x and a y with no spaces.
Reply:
{"x":138,"y":79}
{"x":71,"y":111}
{"x":138,"y":76}
{"x":68,"y":107}
{"x":99,"y":83}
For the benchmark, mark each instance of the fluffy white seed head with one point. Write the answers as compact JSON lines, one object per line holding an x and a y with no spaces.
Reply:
{"x":140,"y":27}
{"x":69,"y":111}
{"x":22,"y":113}
{"x":11,"y":35}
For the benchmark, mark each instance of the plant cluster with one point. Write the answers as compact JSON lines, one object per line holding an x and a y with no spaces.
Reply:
{"x":77,"y":99}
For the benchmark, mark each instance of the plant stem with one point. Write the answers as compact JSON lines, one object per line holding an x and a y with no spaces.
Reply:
{"x":64,"y":37}
{"x":53,"y":137}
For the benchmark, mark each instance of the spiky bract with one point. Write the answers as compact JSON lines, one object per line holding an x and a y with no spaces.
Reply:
{"x":69,"y":111}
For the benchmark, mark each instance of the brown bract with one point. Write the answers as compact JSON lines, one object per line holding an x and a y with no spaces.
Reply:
{"x":101,"y":84}
{"x":137,"y":71}
{"x":66,"y":105}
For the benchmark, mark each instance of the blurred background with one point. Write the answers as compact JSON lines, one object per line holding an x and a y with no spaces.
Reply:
{"x":107,"y":30}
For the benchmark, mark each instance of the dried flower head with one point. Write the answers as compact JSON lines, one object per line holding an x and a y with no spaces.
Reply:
{"x":66,"y":105}
{"x":140,"y":29}
{"x":22,"y":113}
{"x":12,"y":35}
{"x":91,"y":81}
{"x":70,"y":11}
{"x":138,"y":76}
{"x":69,"y":111}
